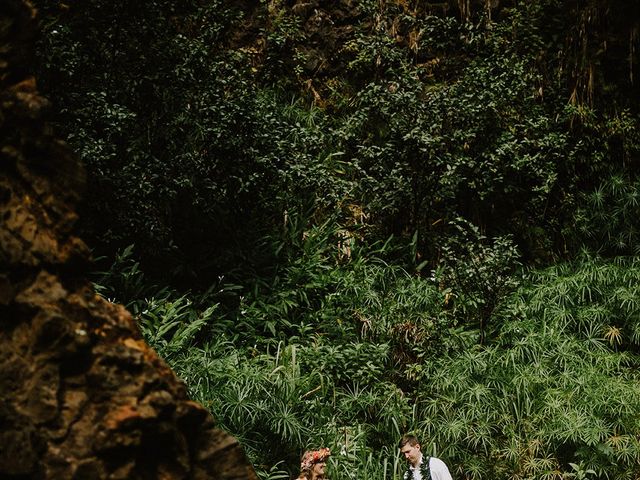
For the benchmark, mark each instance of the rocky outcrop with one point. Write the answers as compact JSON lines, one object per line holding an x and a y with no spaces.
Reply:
{"x":81,"y":394}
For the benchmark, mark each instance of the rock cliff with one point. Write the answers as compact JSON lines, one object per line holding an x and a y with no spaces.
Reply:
{"x":81,"y":394}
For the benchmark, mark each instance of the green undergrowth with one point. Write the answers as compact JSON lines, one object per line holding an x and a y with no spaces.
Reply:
{"x":351,"y":353}
{"x":367,"y":218}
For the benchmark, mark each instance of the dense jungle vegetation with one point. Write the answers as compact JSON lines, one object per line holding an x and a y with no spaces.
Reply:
{"x":340,"y":221}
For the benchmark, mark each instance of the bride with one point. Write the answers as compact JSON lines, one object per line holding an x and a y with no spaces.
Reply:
{"x":313,"y":464}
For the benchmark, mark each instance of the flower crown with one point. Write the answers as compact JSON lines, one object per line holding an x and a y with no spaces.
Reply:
{"x":312,"y":457}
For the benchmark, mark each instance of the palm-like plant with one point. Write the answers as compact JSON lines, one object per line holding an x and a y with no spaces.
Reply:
{"x":548,"y":391}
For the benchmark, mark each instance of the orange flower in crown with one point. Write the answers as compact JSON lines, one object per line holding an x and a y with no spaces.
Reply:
{"x":312,"y":457}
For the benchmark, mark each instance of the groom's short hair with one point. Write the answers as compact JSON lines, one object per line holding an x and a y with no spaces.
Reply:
{"x":412,"y":440}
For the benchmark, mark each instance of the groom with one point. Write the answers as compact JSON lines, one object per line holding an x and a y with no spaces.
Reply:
{"x":421,"y":467}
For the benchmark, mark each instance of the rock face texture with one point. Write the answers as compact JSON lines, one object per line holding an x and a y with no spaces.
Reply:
{"x":81,"y":394}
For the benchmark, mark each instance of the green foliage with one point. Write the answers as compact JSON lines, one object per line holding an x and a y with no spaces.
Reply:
{"x":595,"y":301}
{"x":354,"y":231}
{"x":555,"y":387}
{"x":553,"y":391}
{"x":160,"y":120}
{"x":171,"y":325}
{"x":123,"y":281}
{"x":580,"y":472}
{"x":608,"y":221}
{"x":203,"y":125}
{"x":476,"y":275}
